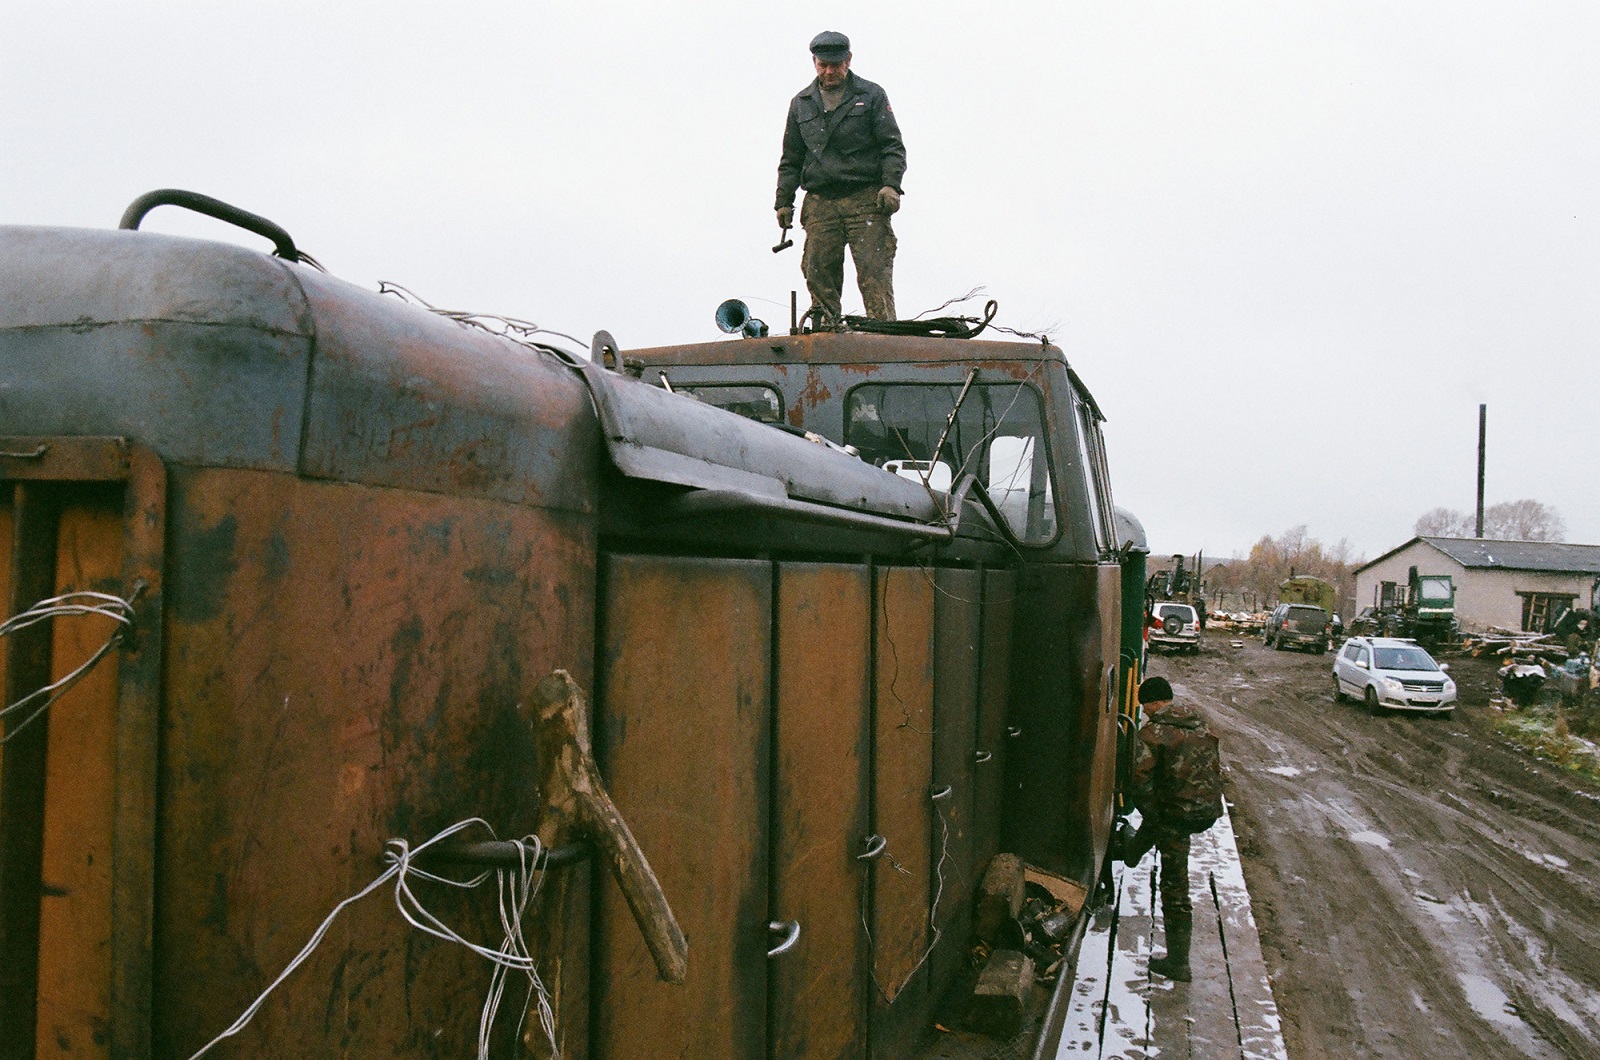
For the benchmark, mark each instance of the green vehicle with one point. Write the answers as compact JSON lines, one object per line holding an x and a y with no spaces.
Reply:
{"x":1304,"y":589}
{"x":1430,"y":608}
{"x":1424,"y":609}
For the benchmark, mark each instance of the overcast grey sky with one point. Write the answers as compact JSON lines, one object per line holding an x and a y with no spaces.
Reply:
{"x":1290,"y":246}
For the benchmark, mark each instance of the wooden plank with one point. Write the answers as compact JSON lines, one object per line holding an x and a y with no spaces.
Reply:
{"x":1260,"y":1028}
{"x":1128,"y":1017}
{"x":1212,"y":1030}
{"x":1080,"y":1032}
{"x":820,"y":815}
{"x":76,"y":867}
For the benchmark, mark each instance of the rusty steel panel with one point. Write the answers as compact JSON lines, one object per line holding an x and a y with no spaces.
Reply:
{"x":403,"y":397}
{"x":77,"y":459}
{"x":993,"y":734}
{"x":344,"y":665}
{"x":74,"y":980}
{"x":902,"y":888}
{"x":958,"y":626}
{"x":1057,"y":699}
{"x":820,"y":815}
{"x":684,"y":734}
{"x":197,"y":349}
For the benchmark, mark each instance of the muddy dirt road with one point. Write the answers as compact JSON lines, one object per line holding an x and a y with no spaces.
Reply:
{"x":1422,"y":890}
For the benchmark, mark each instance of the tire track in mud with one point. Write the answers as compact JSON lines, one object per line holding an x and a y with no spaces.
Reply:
{"x":1422,"y":889}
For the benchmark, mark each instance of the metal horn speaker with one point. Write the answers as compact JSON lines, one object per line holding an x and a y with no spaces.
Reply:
{"x":733,"y":316}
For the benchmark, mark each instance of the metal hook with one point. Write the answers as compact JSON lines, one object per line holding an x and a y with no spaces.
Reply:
{"x":983,"y":756}
{"x":943,"y":793}
{"x":875,"y":845}
{"x":791,"y":935}
{"x":1013,"y":731}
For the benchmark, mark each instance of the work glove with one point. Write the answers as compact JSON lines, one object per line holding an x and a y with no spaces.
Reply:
{"x":888,"y":200}
{"x":786,"y":217}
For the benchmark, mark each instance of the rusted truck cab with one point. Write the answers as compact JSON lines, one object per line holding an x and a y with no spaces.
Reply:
{"x":350,"y":537}
{"x":1007,"y":432}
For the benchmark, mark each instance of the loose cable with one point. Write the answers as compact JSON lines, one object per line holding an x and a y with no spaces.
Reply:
{"x":66,"y":605}
{"x":512,"y":955}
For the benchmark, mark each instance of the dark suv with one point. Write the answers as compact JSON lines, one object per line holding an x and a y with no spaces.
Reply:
{"x":1298,"y":625}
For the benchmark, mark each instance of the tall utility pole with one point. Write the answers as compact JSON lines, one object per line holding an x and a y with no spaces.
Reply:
{"x":1483,"y":421}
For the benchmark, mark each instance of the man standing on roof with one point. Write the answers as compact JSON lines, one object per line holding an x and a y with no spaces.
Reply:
{"x":842,"y":145}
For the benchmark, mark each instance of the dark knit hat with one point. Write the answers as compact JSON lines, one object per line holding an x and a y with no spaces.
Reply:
{"x":1155,"y":690}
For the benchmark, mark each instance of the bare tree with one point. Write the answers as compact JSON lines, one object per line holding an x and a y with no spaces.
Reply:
{"x":1444,"y":522}
{"x":1524,"y":520}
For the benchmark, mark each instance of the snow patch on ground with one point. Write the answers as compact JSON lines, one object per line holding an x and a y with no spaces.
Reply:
{"x":1285,"y":771}
{"x":1488,"y":1000}
{"x":1371,"y":839}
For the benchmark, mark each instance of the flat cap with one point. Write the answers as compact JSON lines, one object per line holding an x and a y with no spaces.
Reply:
{"x":830,"y":47}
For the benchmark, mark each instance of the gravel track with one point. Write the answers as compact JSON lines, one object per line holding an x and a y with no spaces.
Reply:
{"x":1422,"y":888}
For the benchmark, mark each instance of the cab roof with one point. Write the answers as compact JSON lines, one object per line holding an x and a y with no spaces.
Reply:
{"x":847,"y":348}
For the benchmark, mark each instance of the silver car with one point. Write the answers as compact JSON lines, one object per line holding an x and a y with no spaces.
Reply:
{"x":1386,"y":673}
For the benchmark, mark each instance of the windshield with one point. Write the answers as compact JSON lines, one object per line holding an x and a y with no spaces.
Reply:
{"x":1405,"y":658}
{"x":1306,"y":619}
{"x":998,"y":437}
{"x":1435,"y":590}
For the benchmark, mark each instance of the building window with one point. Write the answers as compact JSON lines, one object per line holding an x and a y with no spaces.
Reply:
{"x":1541,"y":611}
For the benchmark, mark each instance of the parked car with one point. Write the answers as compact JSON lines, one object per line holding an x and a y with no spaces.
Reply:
{"x":1303,"y":626}
{"x":1175,"y":625}
{"x":1390,"y":674}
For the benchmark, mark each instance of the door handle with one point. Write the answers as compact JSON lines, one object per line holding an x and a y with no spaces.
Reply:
{"x":790,"y":929}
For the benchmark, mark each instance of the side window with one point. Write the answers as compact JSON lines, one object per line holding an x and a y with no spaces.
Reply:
{"x":1361,"y":657}
{"x":1350,"y":651}
{"x":994,"y":434}
{"x":760,"y":403}
{"x":1097,"y":483}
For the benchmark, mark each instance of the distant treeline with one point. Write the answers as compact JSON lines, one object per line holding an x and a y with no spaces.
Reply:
{"x":1251,"y":583}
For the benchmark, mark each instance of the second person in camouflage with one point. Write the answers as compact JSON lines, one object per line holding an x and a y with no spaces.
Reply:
{"x":1177,"y":786}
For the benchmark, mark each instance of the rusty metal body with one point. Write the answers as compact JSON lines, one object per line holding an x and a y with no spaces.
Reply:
{"x":823,"y":694}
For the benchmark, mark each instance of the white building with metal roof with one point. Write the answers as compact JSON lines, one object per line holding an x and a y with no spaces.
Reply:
{"x":1510,"y":584}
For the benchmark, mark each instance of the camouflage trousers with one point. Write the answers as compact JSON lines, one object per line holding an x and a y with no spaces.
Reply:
{"x":855,"y":221}
{"x":1172,"y":844}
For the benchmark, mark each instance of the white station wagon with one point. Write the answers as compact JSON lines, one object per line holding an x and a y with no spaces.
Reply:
{"x":1391,"y":674}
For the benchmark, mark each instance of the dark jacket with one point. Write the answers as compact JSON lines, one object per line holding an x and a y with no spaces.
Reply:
{"x":1177,"y":770}
{"x":857,"y":146}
